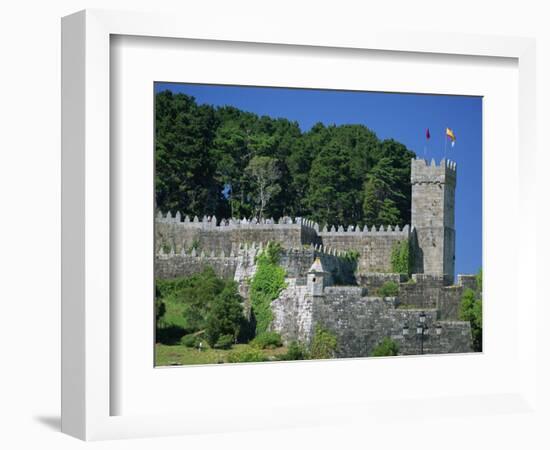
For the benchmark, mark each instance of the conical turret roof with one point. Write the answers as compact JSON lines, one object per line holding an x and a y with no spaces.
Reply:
{"x":317,"y":266}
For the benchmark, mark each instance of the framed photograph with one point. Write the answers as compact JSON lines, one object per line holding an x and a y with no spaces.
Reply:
{"x":272,"y":229}
{"x":317,"y":238}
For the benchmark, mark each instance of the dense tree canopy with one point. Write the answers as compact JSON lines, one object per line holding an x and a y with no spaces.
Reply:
{"x":229,"y":162}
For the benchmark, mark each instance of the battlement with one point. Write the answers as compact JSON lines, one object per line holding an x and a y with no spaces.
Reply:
{"x":250,"y":251}
{"x":424,"y":172}
{"x":431,"y":229}
{"x":212,"y":222}
{"x":357,"y":230}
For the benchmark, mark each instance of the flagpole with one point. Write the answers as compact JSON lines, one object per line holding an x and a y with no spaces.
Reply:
{"x":426,"y":144}
{"x":445,"y":150}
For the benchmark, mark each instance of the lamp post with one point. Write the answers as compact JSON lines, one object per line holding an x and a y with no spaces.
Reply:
{"x":421,"y":330}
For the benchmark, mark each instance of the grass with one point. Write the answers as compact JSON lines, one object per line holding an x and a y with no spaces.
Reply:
{"x":171,"y":355}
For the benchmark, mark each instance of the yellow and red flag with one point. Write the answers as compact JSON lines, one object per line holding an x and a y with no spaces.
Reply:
{"x":450,"y":134}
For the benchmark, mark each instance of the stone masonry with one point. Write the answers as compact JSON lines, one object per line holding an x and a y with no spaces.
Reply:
{"x":433,"y":217}
{"x":326,"y":284}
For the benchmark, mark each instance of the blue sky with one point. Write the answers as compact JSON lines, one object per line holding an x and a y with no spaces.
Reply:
{"x":403,"y":117}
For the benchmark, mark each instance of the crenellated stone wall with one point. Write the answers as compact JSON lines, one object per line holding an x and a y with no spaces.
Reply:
{"x":295,"y":261}
{"x":354,"y":263}
{"x":208,"y":235}
{"x":374,"y":246}
{"x":432,"y":234}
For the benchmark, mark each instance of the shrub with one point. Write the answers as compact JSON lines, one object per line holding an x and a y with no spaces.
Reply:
{"x":225,"y":316}
{"x":352,"y":255}
{"x":270,"y":254}
{"x":194,"y":245}
{"x":188,"y":299}
{"x":224,"y":342}
{"x":190,"y":340}
{"x":246,"y":355}
{"x":267,"y":340}
{"x":388,"y":289}
{"x":323,"y":344}
{"x":295,"y":352}
{"x":479,"y":282}
{"x":388,"y":347}
{"x":471,"y":311}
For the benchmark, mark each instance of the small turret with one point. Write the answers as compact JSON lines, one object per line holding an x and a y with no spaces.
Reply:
{"x":317,"y":278}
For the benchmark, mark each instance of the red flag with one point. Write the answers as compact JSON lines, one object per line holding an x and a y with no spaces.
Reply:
{"x":428,"y":133}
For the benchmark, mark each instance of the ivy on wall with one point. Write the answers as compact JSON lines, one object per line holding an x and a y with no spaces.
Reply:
{"x":266,"y":285}
{"x":402,"y":257}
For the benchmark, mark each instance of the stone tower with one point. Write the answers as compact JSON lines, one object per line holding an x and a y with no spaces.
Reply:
{"x":433,"y":216}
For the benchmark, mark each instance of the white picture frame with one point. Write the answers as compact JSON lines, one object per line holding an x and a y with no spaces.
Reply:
{"x":87,"y":326}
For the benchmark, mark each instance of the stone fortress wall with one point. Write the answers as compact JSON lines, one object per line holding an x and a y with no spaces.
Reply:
{"x":295,"y":261}
{"x":211,"y":235}
{"x":360,"y":319}
{"x":362,"y":322}
{"x":346,"y":301}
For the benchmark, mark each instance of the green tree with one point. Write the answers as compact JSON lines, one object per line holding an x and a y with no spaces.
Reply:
{"x":332,"y":195}
{"x":471,"y":310}
{"x":230,"y":148}
{"x":184,"y":164}
{"x":383,"y":193}
{"x":189,"y":299}
{"x":336,"y":175}
{"x":264,"y":173}
{"x":225,"y":317}
{"x":323,"y":344}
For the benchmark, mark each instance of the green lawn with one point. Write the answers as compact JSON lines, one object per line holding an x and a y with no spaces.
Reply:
{"x":171,"y":355}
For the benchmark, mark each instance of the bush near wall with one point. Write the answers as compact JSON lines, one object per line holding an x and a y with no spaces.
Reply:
{"x":471,"y":310}
{"x":295,"y":352}
{"x":388,"y":347}
{"x":388,"y":289}
{"x":323,"y":344}
{"x":199,"y":303}
{"x":267,"y":340}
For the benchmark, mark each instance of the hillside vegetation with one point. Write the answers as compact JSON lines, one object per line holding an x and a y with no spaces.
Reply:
{"x":231,"y":163}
